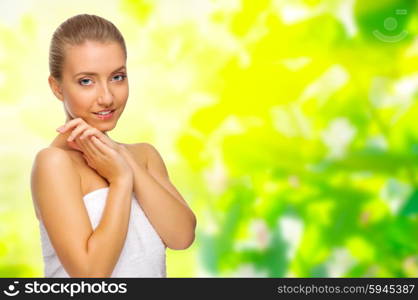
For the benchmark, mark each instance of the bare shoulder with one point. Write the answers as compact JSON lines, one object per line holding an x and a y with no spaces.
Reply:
{"x":49,"y":161}
{"x":139,"y":146}
{"x":149,"y":157}
{"x":140,"y":152}
{"x":144,"y":147}
{"x":151,"y":153}
{"x":155,"y":162}
{"x":51,"y":157}
{"x":47,"y":164}
{"x":51,"y":154}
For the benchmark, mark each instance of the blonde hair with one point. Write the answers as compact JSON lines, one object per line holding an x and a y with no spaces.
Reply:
{"x":77,"y":30}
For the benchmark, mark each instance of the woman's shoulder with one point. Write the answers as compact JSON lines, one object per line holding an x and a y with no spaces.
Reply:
{"x":53,"y":155}
{"x":152,"y":157}
{"x":136,"y":146}
{"x":144,"y":147}
{"x":139,"y":151}
{"x":47,"y":163}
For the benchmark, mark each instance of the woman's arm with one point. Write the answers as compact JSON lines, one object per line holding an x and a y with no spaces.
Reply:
{"x":106,"y":242}
{"x":164,"y":206}
{"x":82,"y":251}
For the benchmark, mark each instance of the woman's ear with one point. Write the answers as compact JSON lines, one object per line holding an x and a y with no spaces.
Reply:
{"x":55,"y":87}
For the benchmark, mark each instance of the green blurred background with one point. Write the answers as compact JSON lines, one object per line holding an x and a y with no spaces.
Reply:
{"x":288,"y":126}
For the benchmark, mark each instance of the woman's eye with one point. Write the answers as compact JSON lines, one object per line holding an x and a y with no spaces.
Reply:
{"x":84,"y":81}
{"x":120,"y":76}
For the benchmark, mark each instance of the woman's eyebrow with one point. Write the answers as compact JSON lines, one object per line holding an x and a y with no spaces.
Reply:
{"x":93,"y":73}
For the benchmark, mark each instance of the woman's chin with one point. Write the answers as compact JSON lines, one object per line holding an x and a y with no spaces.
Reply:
{"x":104,"y":127}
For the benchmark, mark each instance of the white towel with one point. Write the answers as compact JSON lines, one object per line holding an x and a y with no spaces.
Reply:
{"x":143,"y":254}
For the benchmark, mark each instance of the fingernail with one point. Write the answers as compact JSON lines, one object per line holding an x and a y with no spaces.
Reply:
{"x":59,"y":129}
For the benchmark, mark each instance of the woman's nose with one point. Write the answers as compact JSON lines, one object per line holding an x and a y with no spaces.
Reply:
{"x":106,"y":96}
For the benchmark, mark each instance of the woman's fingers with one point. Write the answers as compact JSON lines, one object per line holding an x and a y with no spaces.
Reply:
{"x":89,"y":148}
{"x":71,"y":124}
{"x":86,"y":158}
{"x":102,"y":137}
{"x":74,"y":145}
{"x":87,"y":138}
{"x":79,"y":129}
{"x":80,"y":138}
{"x":90,"y":131}
{"x":84,"y":147}
{"x":105,"y":140}
{"x":100,"y":146}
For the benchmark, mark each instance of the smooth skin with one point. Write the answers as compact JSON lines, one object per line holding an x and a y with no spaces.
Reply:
{"x":164,"y":206}
{"x":83,"y":252}
{"x":56,"y":184}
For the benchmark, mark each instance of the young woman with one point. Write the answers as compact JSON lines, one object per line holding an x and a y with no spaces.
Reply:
{"x":105,"y":209}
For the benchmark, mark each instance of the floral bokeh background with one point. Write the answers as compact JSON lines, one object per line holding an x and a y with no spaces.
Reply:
{"x":288,"y":126}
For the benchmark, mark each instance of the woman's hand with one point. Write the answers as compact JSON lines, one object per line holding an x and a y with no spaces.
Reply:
{"x":100,"y":153}
{"x":81,"y":130}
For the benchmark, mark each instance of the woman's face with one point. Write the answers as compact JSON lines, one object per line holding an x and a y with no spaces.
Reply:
{"x":94,"y":79}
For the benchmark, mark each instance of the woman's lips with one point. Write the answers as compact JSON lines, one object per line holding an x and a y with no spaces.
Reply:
{"x":105,"y":117}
